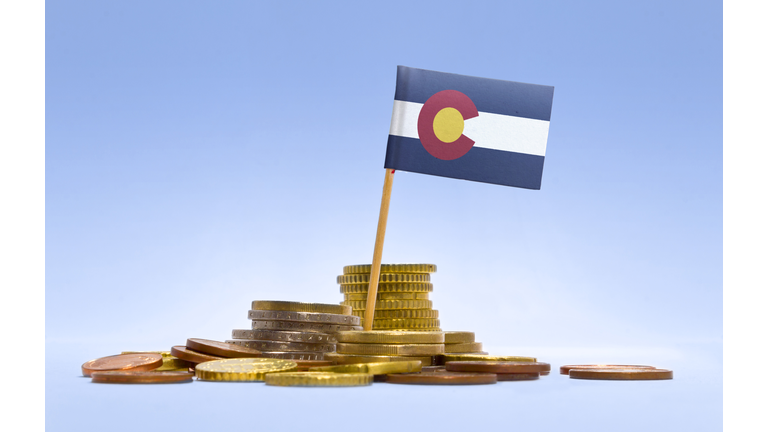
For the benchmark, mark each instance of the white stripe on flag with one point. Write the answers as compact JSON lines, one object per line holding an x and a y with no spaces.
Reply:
{"x":488,"y":130}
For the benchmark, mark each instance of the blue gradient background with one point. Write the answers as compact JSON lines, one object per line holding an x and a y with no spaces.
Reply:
{"x":201,"y":155}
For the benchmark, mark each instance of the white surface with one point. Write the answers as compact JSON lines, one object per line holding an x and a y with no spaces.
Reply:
{"x":488,"y":130}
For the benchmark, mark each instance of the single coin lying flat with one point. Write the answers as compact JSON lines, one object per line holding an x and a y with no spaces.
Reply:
{"x":443,"y":378}
{"x":381,"y":368}
{"x":149,"y":377}
{"x":221,"y":349}
{"x":242,"y":369}
{"x":565,"y":369}
{"x":318,"y":379}
{"x":497,"y":366}
{"x":621,"y":374}
{"x":134,"y":362}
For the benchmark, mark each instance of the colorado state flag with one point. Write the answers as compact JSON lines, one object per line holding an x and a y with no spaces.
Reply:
{"x":470,"y":128}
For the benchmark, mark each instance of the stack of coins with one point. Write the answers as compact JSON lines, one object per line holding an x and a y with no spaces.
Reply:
{"x":462,"y":342}
{"x":294,"y":330}
{"x":402,"y":298}
{"x":387,"y":346}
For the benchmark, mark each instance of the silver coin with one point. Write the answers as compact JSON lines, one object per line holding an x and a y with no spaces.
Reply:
{"x":301,"y":326}
{"x":285,"y":336}
{"x":293,"y":355}
{"x":263,"y":345}
{"x":313,"y":317}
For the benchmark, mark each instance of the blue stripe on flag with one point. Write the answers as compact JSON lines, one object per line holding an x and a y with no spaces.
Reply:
{"x":489,"y":95}
{"x":479,"y":164}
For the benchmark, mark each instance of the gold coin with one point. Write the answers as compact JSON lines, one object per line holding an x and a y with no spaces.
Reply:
{"x":425,"y":329}
{"x":480,"y":357}
{"x":383,"y":278}
{"x":300,"y":307}
{"x":391,"y":304}
{"x":464,"y":347}
{"x":405,"y":323}
{"x":242,"y":369}
{"x":171,"y":363}
{"x":386,"y":288}
{"x":388,"y":296}
{"x":318,"y":379}
{"x":391,"y":337}
{"x":621,"y":374}
{"x":390,"y":349}
{"x":452,"y":337}
{"x":399,"y":313}
{"x":391,"y":268}
{"x":355,"y":358}
{"x":380,"y":368}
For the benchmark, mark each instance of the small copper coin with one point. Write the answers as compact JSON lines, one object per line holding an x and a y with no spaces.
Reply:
{"x":221,"y":349}
{"x":192,"y":356}
{"x":442,"y":378}
{"x":621,"y":374}
{"x":564,"y":369}
{"x":131,"y":377}
{"x":304,"y":365}
{"x":517,"y":376}
{"x":497,"y":366}
{"x":134,"y":362}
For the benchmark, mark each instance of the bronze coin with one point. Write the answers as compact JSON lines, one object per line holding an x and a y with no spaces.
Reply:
{"x":442,"y":378}
{"x":497,"y":366}
{"x":621,"y":374}
{"x":221,"y":349}
{"x":433,"y":368}
{"x":517,"y":376}
{"x":134,"y":362}
{"x":131,"y":377}
{"x":564,"y":369}
{"x":192,"y":356}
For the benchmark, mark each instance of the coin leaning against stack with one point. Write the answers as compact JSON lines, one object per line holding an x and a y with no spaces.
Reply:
{"x":402,"y":297}
{"x":295,"y":330}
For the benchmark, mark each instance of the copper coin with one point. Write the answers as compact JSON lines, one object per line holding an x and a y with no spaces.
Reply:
{"x":304,"y":365}
{"x":442,"y":378}
{"x":517,"y":376}
{"x":497,"y":366}
{"x":621,"y":374}
{"x":564,"y":369}
{"x":131,"y":377}
{"x":221,"y":349}
{"x":192,"y":356}
{"x":134,"y":362}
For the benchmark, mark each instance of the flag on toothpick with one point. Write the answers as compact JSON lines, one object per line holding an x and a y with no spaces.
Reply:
{"x":469,"y":128}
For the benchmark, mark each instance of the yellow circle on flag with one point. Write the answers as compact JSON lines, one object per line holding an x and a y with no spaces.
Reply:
{"x":448,"y":125}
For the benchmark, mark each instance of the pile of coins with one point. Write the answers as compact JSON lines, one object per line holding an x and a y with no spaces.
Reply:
{"x":316,"y":344}
{"x":402,"y":298}
{"x":294,"y":330}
